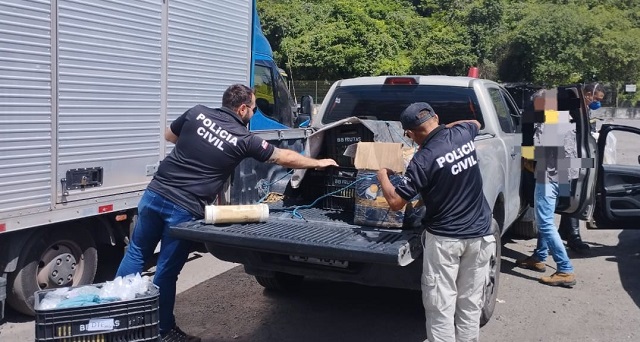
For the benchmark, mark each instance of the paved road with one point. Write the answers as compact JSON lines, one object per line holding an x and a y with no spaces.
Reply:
{"x":219,"y":302}
{"x":604,"y":306}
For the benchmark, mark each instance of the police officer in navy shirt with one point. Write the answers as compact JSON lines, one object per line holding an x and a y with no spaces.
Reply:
{"x":210,"y":143}
{"x":458,"y":240}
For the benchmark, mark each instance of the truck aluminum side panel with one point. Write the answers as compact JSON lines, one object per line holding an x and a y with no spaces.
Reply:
{"x":25,"y":107}
{"x":209,"y":50}
{"x":109,"y":58}
{"x":317,"y":235}
{"x":121,"y":71}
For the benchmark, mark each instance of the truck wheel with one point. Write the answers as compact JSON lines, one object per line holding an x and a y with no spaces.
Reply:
{"x":493,"y":278}
{"x":525,"y":230}
{"x":280,"y":281}
{"x":525,"y":227}
{"x":56,"y":257}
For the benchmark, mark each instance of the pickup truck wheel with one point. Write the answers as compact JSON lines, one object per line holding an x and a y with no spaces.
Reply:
{"x":280,"y":281}
{"x":525,"y":227}
{"x":493,"y":278}
{"x":52,"y":258}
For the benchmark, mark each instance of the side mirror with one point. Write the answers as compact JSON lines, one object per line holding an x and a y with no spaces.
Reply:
{"x":306,"y":105}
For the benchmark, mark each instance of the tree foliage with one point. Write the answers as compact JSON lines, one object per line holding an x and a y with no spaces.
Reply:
{"x":545,"y":42}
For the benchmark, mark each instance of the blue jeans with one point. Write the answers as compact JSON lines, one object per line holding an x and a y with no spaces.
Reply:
{"x":548,"y":236}
{"x":155,"y":215}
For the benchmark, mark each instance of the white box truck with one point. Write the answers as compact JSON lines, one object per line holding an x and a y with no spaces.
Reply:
{"x":86,"y":89}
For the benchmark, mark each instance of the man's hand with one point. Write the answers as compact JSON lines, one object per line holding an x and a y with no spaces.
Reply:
{"x":322,"y":163}
{"x":292,"y":159}
{"x":529,"y":165}
{"x":384,"y":173}
{"x":389,"y":191}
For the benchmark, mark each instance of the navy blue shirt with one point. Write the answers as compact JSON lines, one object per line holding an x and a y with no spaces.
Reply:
{"x":211,"y":143}
{"x":445,"y":172}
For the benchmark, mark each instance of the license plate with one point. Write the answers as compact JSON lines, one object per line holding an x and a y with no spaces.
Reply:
{"x":320,"y":261}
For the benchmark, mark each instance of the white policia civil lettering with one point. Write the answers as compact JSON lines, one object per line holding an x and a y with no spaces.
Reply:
{"x":220,"y":136}
{"x":458,"y":154}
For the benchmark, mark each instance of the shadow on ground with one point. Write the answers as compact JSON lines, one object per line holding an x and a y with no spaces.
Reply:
{"x":233,"y":307}
{"x":626,"y":253}
{"x":628,"y":259}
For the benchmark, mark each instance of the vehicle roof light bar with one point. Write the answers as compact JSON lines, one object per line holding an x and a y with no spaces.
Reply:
{"x":401,"y":81}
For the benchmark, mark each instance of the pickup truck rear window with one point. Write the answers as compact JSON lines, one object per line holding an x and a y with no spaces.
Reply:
{"x":386,"y":102}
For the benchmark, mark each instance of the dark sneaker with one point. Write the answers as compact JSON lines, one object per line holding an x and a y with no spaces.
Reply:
{"x":531,"y":263}
{"x":559,"y":279}
{"x":577,"y":245}
{"x":177,"y":335}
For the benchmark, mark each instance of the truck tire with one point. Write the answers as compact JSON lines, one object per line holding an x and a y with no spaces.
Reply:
{"x":493,"y":278}
{"x":280,"y":281}
{"x":525,"y":230}
{"x":525,"y":227}
{"x":52,"y":257}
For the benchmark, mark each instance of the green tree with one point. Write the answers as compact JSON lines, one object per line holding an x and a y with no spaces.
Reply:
{"x":613,"y":51}
{"x":544,"y":43}
{"x":442,"y":48}
{"x":339,"y":38}
{"x":541,"y":41}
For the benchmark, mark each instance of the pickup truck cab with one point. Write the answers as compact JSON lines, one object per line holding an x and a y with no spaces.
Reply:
{"x":311,"y":230}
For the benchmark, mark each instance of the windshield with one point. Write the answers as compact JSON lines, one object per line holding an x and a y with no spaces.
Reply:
{"x":386,"y":102}
{"x":286,"y":103}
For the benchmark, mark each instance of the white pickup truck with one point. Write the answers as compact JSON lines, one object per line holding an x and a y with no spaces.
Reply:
{"x":321,"y":240}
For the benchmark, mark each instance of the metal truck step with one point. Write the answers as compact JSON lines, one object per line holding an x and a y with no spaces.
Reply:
{"x":318,"y":235}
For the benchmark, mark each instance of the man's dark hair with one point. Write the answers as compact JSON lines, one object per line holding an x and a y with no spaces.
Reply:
{"x":237,"y":95}
{"x":594,"y":87}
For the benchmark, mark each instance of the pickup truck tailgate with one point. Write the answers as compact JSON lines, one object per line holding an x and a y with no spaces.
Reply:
{"x":320,"y":234}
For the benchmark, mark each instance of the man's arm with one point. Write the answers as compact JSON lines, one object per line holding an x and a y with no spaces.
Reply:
{"x":170,"y":136}
{"x":292,"y":159}
{"x":389,"y":191}
{"x":476,"y":122}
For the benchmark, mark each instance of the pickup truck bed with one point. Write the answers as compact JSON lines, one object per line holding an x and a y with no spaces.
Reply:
{"x":321,"y":233}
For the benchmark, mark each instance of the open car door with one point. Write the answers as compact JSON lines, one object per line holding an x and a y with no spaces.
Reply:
{"x":582,"y":201}
{"x":618,"y":183}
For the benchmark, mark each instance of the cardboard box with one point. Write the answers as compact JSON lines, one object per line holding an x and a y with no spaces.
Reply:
{"x":374,"y":156}
{"x":371,"y":208}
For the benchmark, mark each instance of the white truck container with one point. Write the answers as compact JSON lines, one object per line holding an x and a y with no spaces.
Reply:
{"x":86,"y":89}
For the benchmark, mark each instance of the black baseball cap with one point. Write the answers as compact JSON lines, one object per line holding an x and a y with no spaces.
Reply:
{"x":412,"y":117}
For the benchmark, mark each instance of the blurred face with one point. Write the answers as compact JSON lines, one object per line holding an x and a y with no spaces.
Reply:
{"x":595,"y":96}
{"x":593,"y":99}
{"x":420,"y":133}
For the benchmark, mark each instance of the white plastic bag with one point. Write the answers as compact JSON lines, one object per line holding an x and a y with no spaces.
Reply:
{"x":53,"y":298}
{"x":125,"y":288}
{"x":609,"y":154}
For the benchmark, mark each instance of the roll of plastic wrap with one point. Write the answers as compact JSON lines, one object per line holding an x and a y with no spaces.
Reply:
{"x":236,"y":213}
